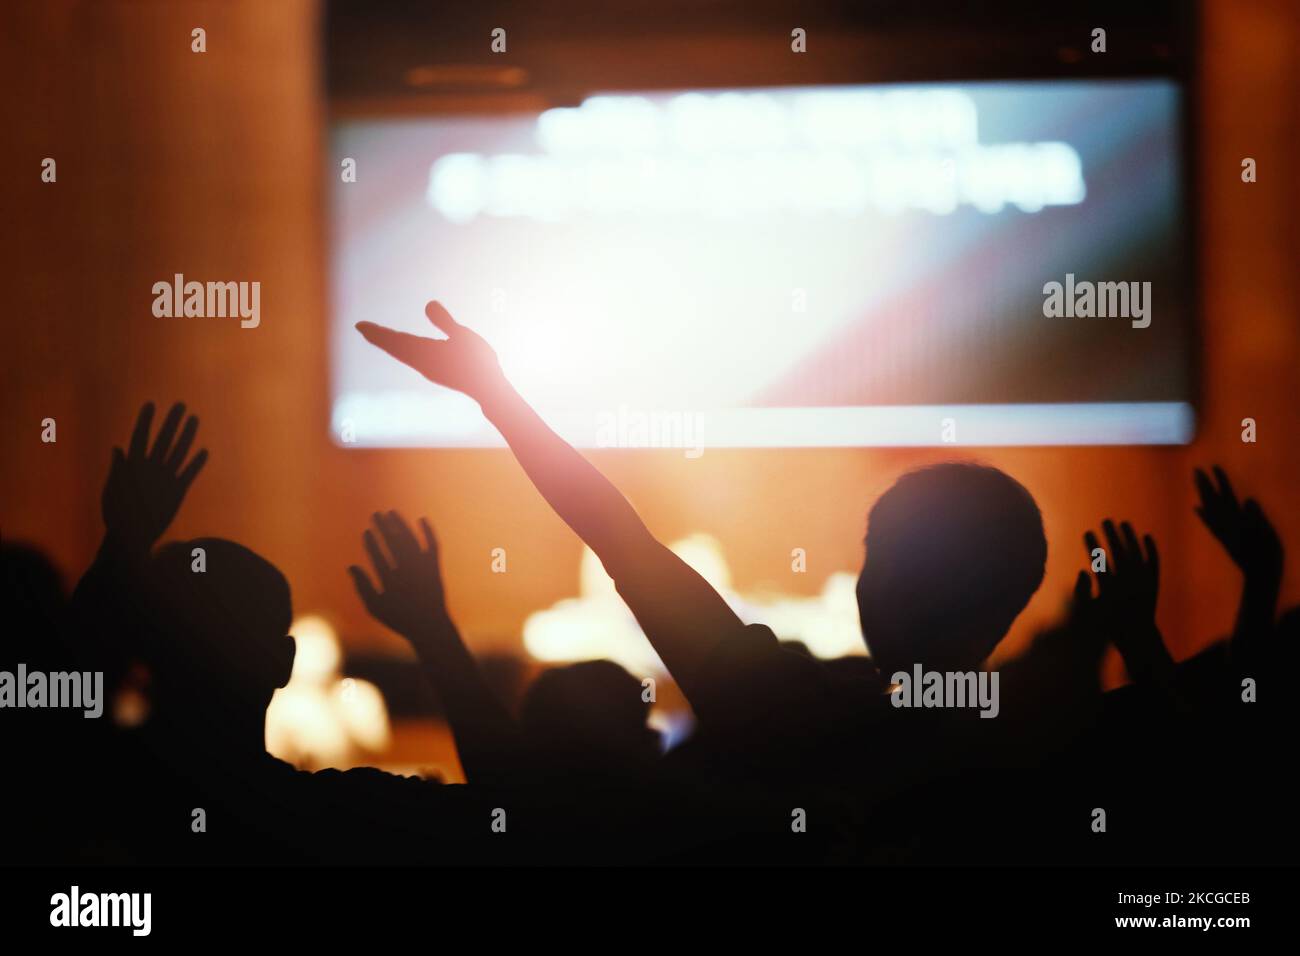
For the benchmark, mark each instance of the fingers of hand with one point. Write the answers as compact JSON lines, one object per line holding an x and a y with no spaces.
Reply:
{"x":186,"y":477}
{"x":1153,"y":560}
{"x":167,"y":433}
{"x":1082,"y":589}
{"x":423,"y":355}
{"x":365,"y":587}
{"x":1132,"y":550}
{"x":441,"y":319}
{"x":1218,"y":508}
{"x":140,"y":435}
{"x":397,"y":535}
{"x":183,"y":444}
{"x":430,"y":541}
{"x":1204,"y":487}
{"x":382,"y":568}
{"x":1118,"y":558}
{"x":1225,"y":488}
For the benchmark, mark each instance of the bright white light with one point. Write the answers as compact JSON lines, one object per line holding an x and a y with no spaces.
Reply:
{"x":602,"y":123}
{"x":597,"y":624}
{"x":316,"y":650}
{"x":827,"y":623}
{"x":771,"y":265}
{"x":318,"y":720}
{"x":457,"y":183}
{"x":983,"y":426}
{"x":360,"y":706}
{"x":737,"y":154}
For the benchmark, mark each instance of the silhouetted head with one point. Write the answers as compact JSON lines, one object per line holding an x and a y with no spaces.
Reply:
{"x":33,"y":602}
{"x":589,"y":716}
{"x":220,"y":641}
{"x":34,"y":609}
{"x":954,"y":552}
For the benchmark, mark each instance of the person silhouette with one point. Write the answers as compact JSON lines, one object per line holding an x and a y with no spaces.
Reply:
{"x":209,"y":619}
{"x":954,"y":552}
{"x":1250,"y":540}
{"x":587,"y":718}
{"x":46,"y":749}
{"x":590,"y":718}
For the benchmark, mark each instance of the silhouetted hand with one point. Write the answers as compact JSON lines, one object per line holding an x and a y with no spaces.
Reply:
{"x":145,"y":487}
{"x":1080,"y":621}
{"x":412,"y":601}
{"x":1241,"y":528}
{"x":463,"y":361}
{"x":1256,"y":549}
{"x":1078,"y":613}
{"x":1124,"y":609}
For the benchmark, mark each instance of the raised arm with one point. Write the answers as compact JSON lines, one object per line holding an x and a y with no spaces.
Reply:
{"x":1256,"y":549}
{"x":682,"y":615}
{"x":144,"y":490}
{"x":1124,"y":610}
{"x":410,"y":600}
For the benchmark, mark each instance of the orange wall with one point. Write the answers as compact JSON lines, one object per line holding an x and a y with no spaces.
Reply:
{"x":169,"y":161}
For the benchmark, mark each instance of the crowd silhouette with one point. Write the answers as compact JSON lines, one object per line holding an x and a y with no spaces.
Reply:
{"x":793,"y":760}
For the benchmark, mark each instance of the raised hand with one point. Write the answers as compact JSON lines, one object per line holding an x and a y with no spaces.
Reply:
{"x":1241,"y":528}
{"x":1124,"y":609}
{"x":146,"y":486}
{"x":1081,"y":613}
{"x":409,"y":598}
{"x":1255,"y":548}
{"x":463,"y":361}
{"x":684,"y":630}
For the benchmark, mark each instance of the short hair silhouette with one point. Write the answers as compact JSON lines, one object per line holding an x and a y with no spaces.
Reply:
{"x":220,"y":634}
{"x":589,"y":714}
{"x":954,"y":553}
{"x":34,"y":606}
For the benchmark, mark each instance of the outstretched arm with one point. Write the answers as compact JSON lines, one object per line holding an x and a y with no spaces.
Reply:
{"x":1124,"y":609}
{"x":144,"y":490}
{"x":412,"y":603}
{"x":682,"y":615}
{"x":1254,"y":547}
